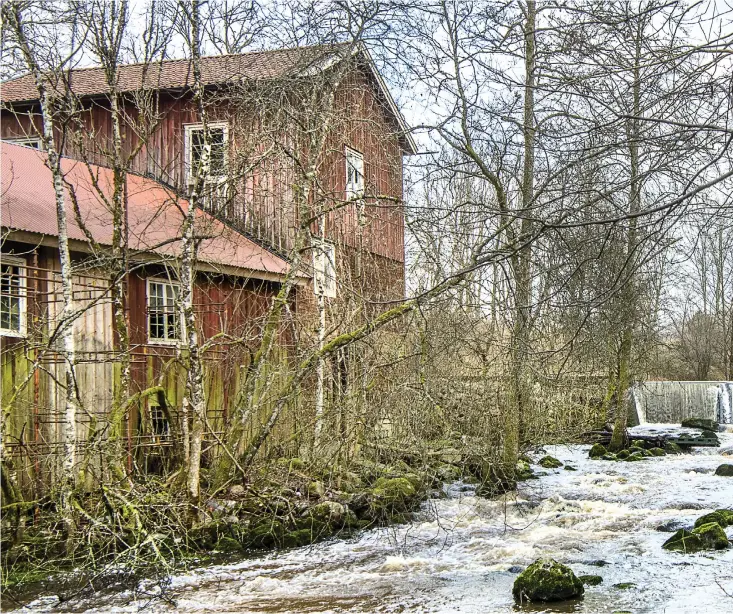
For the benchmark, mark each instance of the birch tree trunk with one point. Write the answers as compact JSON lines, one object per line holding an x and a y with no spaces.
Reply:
{"x":65,"y":328}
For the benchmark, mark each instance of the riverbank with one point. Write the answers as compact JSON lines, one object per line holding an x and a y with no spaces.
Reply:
{"x":463,"y":552}
{"x":289,"y":503}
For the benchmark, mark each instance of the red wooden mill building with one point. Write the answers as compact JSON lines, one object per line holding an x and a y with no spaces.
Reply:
{"x":273,"y":117}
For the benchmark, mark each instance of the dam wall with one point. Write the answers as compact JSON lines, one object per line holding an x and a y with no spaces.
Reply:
{"x":673,"y":402}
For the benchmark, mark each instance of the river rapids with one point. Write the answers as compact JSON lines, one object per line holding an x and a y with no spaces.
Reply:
{"x":462,"y":553}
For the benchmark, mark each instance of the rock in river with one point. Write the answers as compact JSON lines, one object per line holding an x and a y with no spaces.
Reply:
{"x":708,"y":536}
{"x":725,"y":470}
{"x":700,"y":423}
{"x":547,"y":580}
{"x":549,"y":462}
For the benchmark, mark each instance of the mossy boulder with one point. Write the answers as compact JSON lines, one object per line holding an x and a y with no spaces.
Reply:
{"x":267,"y":533}
{"x":709,"y":536}
{"x":722,"y":517}
{"x":658,"y":452}
{"x":683,"y":541}
{"x":703,"y":424}
{"x":570,"y":468}
{"x":609,"y":457}
{"x":623,"y":454}
{"x":228,"y":544}
{"x":637,"y":443}
{"x":725,"y":470}
{"x":635,"y":456}
{"x":624,"y":586}
{"x":549,"y":462}
{"x":670,"y":447}
{"x":524,"y":472}
{"x":598,"y":450}
{"x":591,"y":580}
{"x":391,"y":495}
{"x":712,"y":536}
{"x":547,"y":580}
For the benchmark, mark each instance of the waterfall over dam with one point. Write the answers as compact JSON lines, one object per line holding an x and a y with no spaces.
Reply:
{"x":673,"y":402}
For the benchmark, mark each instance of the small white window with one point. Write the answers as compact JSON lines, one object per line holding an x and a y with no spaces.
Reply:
{"x":163,"y":311}
{"x":194,"y":146}
{"x":27,"y":141}
{"x":354,"y":174}
{"x":12,"y":296}
{"x":324,"y":268}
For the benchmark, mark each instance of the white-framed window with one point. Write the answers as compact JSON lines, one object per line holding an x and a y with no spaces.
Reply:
{"x":27,"y":141}
{"x":163,"y":322}
{"x":354,"y":174}
{"x":12,"y":296}
{"x":324,"y":268}
{"x":194,"y":147}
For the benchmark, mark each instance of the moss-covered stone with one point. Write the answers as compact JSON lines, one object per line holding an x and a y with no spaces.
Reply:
{"x":549,"y":462}
{"x":590,"y":580}
{"x":700,"y":423}
{"x":637,"y":443}
{"x":569,"y":468}
{"x":670,"y":447}
{"x":623,"y":454}
{"x":708,"y":536}
{"x":722,"y":517}
{"x":683,"y":541}
{"x":712,"y":536}
{"x":228,"y":544}
{"x":624,"y":586}
{"x":267,"y":533}
{"x":646,"y":453}
{"x":547,"y":580}
{"x":299,"y":537}
{"x":658,"y":452}
{"x":597,"y":450}
{"x":524,"y":472}
{"x":635,"y":456}
{"x":609,"y":457}
{"x":725,"y":470}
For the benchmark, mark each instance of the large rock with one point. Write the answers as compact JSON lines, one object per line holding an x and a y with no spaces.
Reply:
{"x":725,"y":470}
{"x":712,"y":536}
{"x":709,"y":536}
{"x":549,"y":462}
{"x":547,"y":580}
{"x":700,"y":423}
{"x":598,"y":450}
{"x":722,"y":517}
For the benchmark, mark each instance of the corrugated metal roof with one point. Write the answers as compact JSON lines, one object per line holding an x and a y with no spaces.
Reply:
{"x":174,"y":74}
{"x":155,"y":215}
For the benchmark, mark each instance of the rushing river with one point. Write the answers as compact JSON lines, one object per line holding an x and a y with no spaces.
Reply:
{"x":462,"y":553}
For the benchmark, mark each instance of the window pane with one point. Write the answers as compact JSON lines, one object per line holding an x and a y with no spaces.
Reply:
{"x":11,"y":292}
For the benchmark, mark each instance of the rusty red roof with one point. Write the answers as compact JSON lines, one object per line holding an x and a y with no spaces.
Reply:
{"x":215,"y":70}
{"x":155,"y":214}
{"x":175,"y":74}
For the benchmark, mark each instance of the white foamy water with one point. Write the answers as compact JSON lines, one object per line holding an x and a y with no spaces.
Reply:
{"x":462,"y":554}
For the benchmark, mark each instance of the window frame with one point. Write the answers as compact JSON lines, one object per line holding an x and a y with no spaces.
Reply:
{"x":354,"y":192}
{"x":22,"y":297}
{"x":25,"y":140}
{"x":189,"y":129}
{"x":324,"y":249}
{"x":166,"y":340}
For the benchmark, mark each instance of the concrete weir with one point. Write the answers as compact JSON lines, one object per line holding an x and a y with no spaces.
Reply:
{"x":673,"y":402}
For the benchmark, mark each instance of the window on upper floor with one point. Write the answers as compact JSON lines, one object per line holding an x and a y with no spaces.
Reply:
{"x":194,"y":146}
{"x":12,"y":296}
{"x":163,"y":311}
{"x":27,"y":141}
{"x":324,"y":268}
{"x":354,"y":174}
